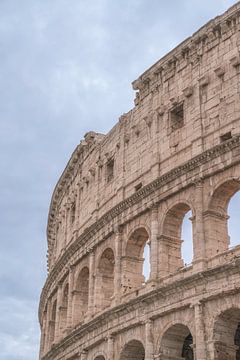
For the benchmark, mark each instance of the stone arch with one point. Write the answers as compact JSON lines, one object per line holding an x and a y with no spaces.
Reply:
{"x":177,"y":343}
{"x":133,"y":350}
{"x":81,"y":294}
{"x":133,"y":260}
{"x":52,"y":323}
{"x":105,"y":279}
{"x":99,"y":355}
{"x":216,"y":217}
{"x":226,"y":335}
{"x":171,"y":242}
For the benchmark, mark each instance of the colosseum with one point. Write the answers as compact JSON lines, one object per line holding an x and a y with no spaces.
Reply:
{"x":176,"y":151}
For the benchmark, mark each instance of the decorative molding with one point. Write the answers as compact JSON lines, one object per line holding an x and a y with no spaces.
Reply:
{"x":189,"y":51}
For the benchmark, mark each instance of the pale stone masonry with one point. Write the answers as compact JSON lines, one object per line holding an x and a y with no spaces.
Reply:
{"x":177,"y":150}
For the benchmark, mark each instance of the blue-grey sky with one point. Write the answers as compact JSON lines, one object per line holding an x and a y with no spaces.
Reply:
{"x":66,"y":67}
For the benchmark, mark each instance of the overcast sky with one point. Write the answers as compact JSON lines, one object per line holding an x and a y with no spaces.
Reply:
{"x":66,"y":67}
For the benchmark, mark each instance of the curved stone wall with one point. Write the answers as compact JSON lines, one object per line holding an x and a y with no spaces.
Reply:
{"x":177,"y":150}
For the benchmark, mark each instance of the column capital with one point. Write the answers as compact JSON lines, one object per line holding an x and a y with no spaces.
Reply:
{"x":153,"y":207}
{"x":118,"y":229}
{"x":198,"y":182}
{"x":83,"y":355}
{"x":149,"y":322}
{"x":196,"y":303}
{"x":71,"y":268}
{"x":90,"y":251}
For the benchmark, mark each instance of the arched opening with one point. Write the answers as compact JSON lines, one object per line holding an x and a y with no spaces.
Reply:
{"x":233,"y":220}
{"x":177,"y":343}
{"x":105,"y":279}
{"x":217,"y":221}
{"x":52,"y":322}
{"x":80,"y":297}
{"x":178,"y":251}
{"x":227,"y":335}
{"x":100,"y":357}
{"x":136,"y":263}
{"x":146,"y":262}
{"x":64,"y":308}
{"x":134,"y":350}
{"x":186,"y":237}
{"x":72,"y":212}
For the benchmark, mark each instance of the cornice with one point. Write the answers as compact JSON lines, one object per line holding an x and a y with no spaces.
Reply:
{"x":190,"y":51}
{"x":162,"y":291}
{"x":137,"y":197}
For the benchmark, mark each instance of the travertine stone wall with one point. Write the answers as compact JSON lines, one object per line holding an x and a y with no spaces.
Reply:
{"x":177,"y":150}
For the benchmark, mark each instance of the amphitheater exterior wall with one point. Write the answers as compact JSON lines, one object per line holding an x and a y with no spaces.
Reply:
{"x":177,"y":150}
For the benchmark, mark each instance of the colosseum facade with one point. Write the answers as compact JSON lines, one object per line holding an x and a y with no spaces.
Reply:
{"x":177,"y":150}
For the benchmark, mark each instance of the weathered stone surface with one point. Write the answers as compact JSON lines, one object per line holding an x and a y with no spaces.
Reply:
{"x":177,"y":150}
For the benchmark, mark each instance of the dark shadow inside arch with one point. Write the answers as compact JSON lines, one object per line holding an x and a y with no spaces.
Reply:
{"x":52,"y":322}
{"x":81,"y":295}
{"x":100,"y":357}
{"x":105,"y":278}
{"x":177,"y":343}
{"x":134,"y":350}
{"x":227,"y":335}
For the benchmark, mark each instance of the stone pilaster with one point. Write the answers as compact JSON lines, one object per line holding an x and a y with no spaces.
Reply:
{"x":78,"y":206}
{"x":65,"y":227}
{"x":58,"y":314}
{"x":110,"y":347}
{"x":198,"y":227}
{"x":154,"y":244}
{"x":91,"y":283}
{"x":148,"y":341}
{"x":43,"y":333}
{"x":70,"y":297}
{"x":200,"y":347}
{"x":47,"y":341}
{"x":118,"y":266}
{"x":83,"y":355}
